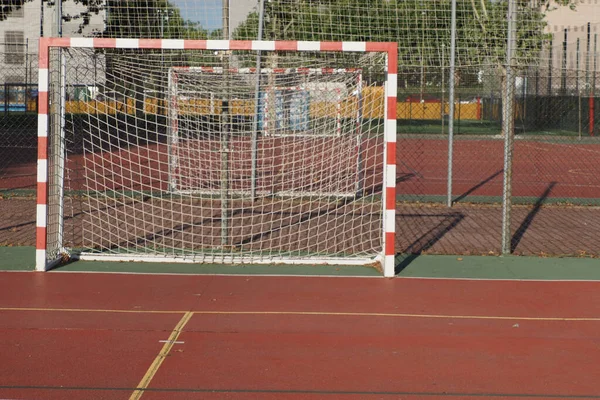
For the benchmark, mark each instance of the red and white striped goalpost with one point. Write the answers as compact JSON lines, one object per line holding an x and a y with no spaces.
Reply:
{"x":389,"y":165}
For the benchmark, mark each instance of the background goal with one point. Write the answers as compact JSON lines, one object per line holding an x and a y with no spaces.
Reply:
{"x":217,"y":161}
{"x":295,"y":111}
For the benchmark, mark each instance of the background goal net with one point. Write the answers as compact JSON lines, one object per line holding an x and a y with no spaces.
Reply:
{"x":296,"y":113}
{"x":185,"y":151}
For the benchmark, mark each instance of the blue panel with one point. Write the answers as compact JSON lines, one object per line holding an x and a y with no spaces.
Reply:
{"x":299,"y":111}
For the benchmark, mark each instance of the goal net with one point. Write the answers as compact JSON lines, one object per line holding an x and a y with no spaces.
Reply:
{"x":311,"y":108}
{"x":185,"y":151}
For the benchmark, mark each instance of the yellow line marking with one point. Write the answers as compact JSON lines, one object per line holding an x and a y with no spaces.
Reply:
{"x":399,"y":315}
{"x":314,"y":313}
{"x":92,"y":310}
{"x":139,"y":391}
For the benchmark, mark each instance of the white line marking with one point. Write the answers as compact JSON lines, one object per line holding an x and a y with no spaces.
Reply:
{"x":170,"y":341}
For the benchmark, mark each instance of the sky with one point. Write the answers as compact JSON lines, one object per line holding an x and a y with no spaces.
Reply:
{"x":207,"y":12}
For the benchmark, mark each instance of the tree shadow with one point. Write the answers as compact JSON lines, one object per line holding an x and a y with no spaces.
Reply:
{"x":520,"y":232}
{"x":428,"y":239}
{"x":480,"y":184}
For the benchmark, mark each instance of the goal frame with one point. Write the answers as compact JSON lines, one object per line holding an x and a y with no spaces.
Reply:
{"x":390,"y":49}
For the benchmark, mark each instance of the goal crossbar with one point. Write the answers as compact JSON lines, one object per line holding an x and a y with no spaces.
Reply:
{"x":386,"y":258}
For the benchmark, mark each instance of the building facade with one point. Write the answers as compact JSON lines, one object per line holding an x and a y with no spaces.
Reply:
{"x":21,"y":30}
{"x":570,"y":26}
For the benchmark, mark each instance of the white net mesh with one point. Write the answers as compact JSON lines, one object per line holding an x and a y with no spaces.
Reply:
{"x":183,"y":163}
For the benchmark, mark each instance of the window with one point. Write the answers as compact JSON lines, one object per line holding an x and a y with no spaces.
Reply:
{"x":10,"y":7}
{"x":14,"y":47}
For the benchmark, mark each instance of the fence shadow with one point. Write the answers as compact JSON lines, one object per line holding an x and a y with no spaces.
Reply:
{"x":428,"y":239}
{"x":520,"y":232}
{"x":480,"y":184}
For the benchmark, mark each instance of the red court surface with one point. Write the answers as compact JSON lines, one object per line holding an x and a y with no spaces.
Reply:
{"x":559,"y":169}
{"x":102,"y":336}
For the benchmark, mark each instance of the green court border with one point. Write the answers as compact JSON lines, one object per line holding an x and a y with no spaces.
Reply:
{"x":412,"y":266}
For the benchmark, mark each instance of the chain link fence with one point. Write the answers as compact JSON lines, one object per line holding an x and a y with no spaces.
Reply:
{"x":498,"y":130}
{"x":18,"y":119}
{"x":513,"y":167}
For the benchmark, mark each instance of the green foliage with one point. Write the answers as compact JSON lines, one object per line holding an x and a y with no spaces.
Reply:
{"x":145,"y":19}
{"x":421,"y":28}
{"x":149,"y":19}
{"x":91,"y":7}
{"x":131,"y":18}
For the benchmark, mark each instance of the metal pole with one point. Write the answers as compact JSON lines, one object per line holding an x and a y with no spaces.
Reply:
{"x":160,"y":15}
{"x":26,"y":72}
{"x":563,"y":84}
{"x":62,"y":142}
{"x":57,"y":142}
{"x":550,"y":66}
{"x":593,"y":92}
{"x":225,"y":19}
{"x":451,"y":101}
{"x":59,"y":18}
{"x":225,"y":136}
{"x":577,"y":63}
{"x":587,"y":56}
{"x":443,"y":85}
{"x":587,"y":82}
{"x":577,"y":88}
{"x":261,"y":17}
{"x":509,"y":129}
{"x":595,"y":64}
{"x":423,"y":14}
{"x":41,"y":19}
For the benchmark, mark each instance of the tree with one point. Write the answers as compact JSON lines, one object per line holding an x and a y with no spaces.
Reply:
{"x":91,"y":7}
{"x":420,"y":27}
{"x":148,"y":19}
{"x":144,"y":71}
{"x":135,"y":17}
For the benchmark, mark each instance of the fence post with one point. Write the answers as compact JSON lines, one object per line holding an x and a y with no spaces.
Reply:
{"x":578,"y":89}
{"x":563,"y":72}
{"x":587,"y":82}
{"x":593,"y":91}
{"x":508,"y":129}
{"x":451,"y":101}
{"x":5,"y":98}
{"x":550,"y":66}
{"x":257,"y":109}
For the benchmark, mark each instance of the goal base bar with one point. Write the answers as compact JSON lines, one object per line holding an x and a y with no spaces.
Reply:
{"x":218,"y":259}
{"x":246,"y":193}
